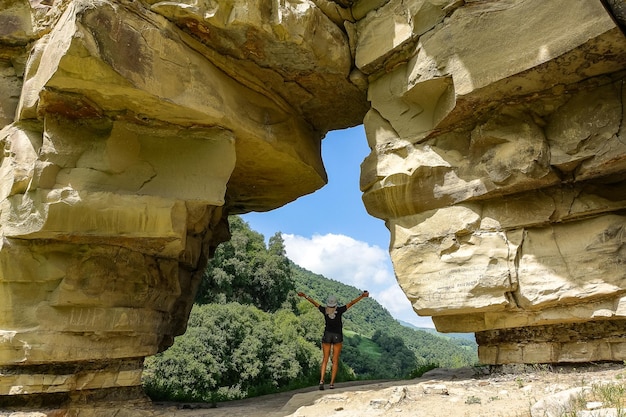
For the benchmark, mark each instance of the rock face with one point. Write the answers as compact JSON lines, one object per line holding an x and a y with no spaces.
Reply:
{"x":498,"y":162}
{"x":131,"y":129}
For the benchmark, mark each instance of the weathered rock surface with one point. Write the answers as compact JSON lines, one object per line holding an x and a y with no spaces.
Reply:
{"x":131,"y":129}
{"x":498,"y":161}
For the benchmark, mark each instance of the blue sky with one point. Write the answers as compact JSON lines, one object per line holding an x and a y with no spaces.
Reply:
{"x":329,"y":232}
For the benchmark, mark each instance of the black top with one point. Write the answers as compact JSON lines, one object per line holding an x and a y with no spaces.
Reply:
{"x":333,"y":325}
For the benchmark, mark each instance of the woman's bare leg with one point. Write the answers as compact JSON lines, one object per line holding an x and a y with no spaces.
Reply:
{"x":326,"y":353}
{"x":336,"y":352}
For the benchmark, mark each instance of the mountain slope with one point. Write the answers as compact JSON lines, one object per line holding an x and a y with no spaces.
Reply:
{"x":368,"y":317}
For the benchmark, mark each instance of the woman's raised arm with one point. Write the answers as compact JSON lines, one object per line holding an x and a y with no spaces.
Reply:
{"x":359,"y":298}
{"x":309,"y":299}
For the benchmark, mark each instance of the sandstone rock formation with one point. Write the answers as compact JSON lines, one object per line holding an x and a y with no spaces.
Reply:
{"x":498,"y":162}
{"x":130,"y":130}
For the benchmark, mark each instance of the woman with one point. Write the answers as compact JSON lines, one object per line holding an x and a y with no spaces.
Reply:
{"x":333,"y":331}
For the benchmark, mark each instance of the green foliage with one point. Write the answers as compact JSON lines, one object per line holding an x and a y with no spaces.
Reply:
{"x":362,"y":354}
{"x":184,"y":372}
{"x":363,"y":344}
{"x":472,"y":399}
{"x":422,"y":369}
{"x":381,"y":357}
{"x":398,"y":361}
{"x":232,"y":350}
{"x":244,"y":270}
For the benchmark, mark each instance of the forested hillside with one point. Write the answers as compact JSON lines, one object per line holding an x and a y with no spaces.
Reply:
{"x":250,"y":334}
{"x":368,"y":317}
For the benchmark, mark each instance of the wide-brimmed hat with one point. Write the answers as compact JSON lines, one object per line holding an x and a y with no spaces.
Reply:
{"x":332,"y":301}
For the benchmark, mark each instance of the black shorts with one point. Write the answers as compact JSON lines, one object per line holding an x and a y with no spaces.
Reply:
{"x":330,"y":337}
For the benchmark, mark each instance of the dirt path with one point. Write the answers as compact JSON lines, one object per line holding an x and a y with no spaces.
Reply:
{"x":471,"y":392}
{"x":273,"y":405}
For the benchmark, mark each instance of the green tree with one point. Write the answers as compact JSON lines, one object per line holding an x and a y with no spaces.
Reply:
{"x":185,"y":371}
{"x":244,"y":270}
{"x":397,"y":360}
{"x":232,"y":351}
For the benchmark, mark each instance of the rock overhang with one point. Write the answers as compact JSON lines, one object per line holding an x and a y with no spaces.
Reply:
{"x":497,"y":163}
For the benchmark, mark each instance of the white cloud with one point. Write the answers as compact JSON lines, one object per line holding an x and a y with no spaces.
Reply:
{"x":395,"y":299}
{"x":355,"y":263}
{"x":341,"y":258}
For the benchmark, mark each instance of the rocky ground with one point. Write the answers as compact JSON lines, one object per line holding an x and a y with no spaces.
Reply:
{"x":514,"y":391}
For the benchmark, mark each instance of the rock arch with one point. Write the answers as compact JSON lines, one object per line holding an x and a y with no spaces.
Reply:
{"x":131,"y":129}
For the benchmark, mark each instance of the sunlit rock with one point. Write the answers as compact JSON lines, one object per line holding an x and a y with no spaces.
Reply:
{"x":130,"y":130}
{"x":128,"y":136}
{"x":498,"y":162}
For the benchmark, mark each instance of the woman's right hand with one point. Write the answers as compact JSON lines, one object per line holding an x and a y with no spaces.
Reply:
{"x":301,"y":294}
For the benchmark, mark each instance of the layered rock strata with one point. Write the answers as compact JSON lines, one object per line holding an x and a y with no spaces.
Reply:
{"x":498,"y":163}
{"x":129,"y":131}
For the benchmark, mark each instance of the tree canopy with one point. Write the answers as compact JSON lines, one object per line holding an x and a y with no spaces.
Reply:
{"x":244,"y":270}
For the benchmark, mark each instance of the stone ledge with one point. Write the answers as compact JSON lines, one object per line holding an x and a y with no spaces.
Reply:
{"x":574,"y":342}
